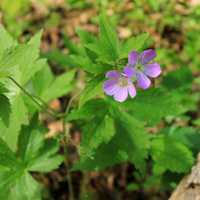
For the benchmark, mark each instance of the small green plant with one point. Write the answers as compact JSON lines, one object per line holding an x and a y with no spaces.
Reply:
{"x":114,"y":131}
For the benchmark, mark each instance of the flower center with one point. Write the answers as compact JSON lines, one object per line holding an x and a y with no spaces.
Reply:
{"x":123,"y":82}
{"x":139,"y":67}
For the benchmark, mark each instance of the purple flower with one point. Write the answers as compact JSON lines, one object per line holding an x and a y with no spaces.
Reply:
{"x":119,"y":84}
{"x":144,"y":67}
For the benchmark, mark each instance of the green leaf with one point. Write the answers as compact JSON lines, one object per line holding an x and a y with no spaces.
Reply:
{"x":33,"y":151}
{"x":108,"y":40}
{"x":86,"y":64}
{"x":188,"y":136}
{"x":4,"y":109}
{"x":33,"y":64}
{"x":34,"y":154}
{"x":8,"y":177}
{"x":60,"y":86}
{"x":130,"y":143}
{"x":101,"y":159}
{"x":7,"y":157}
{"x":37,"y":153}
{"x":6,"y":41}
{"x":93,"y":88}
{"x":3,"y":88}
{"x":34,"y":67}
{"x":61,"y":59}
{"x":35,"y":42}
{"x":85,"y":37}
{"x":137,"y":43}
{"x":31,"y":139}
{"x":25,"y":57}
{"x":73,"y":48}
{"x":157,"y":104}
{"x":18,"y":117}
{"x":18,"y":185}
{"x":4,"y":73}
{"x":22,"y":62}
{"x":47,"y":159}
{"x":42,"y":79}
{"x":7,"y":65}
{"x":100,"y":130}
{"x":136,"y":142}
{"x":25,"y":188}
{"x":98,"y":51}
{"x":179,"y":79}
{"x":169,"y":154}
{"x":47,"y":164}
{"x":88,"y":110}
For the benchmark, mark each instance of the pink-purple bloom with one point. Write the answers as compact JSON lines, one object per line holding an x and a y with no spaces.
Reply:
{"x":119,"y":84}
{"x":139,"y":68}
{"x":144,"y":67}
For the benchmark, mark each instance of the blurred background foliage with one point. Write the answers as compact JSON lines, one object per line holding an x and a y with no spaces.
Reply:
{"x":174,"y":27}
{"x":173,"y":24}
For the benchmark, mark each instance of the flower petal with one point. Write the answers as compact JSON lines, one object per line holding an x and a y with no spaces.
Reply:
{"x":129,"y":71}
{"x":147,"y":56}
{"x":131,"y":90}
{"x":143,"y":81}
{"x":132,"y":58}
{"x":152,"y":70}
{"x":110,"y":87}
{"x":121,"y":94}
{"x":113,"y":74}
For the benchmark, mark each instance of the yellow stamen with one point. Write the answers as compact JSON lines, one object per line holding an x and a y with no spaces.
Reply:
{"x":123,"y":82}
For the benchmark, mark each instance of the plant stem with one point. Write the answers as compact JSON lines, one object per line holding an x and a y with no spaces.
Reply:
{"x":23,"y":90}
{"x":67,"y":163}
{"x":66,"y":154}
{"x":34,"y":98}
{"x":66,"y":143}
{"x":47,"y":106}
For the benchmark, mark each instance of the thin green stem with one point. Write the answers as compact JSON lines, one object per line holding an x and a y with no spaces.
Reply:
{"x":67,"y":162}
{"x":66,"y":153}
{"x":33,"y":98}
{"x":66,"y":141}
{"x":25,"y":92}
{"x":47,"y":106}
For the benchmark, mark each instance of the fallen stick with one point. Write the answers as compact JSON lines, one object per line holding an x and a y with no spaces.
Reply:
{"x":189,"y":187}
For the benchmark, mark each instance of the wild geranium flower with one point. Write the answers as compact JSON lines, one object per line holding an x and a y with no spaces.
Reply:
{"x":144,"y":67}
{"x":120,"y":84}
